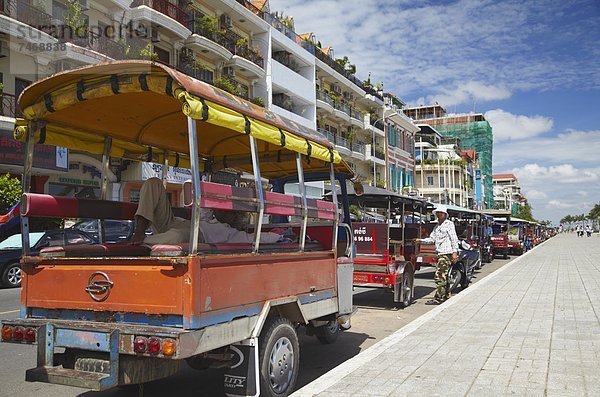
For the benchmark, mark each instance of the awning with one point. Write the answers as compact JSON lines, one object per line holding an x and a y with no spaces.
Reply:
{"x":143,"y":106}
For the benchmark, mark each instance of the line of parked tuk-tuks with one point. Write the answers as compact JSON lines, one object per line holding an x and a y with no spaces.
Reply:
{"x":386,"y":226}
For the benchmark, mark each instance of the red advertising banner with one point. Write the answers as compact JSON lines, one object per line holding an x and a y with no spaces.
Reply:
{"x":12,"y":152}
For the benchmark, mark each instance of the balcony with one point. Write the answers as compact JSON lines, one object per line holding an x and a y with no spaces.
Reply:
{"x":23,"y":13}
{"x":9,"y":105}
{"x":162,"y":13}
{"x":209,"y":41}
{"x":339,"y":141}
{"x":100,"y":44}
{"x":378,"y":153}
{"x":341,"y":110}
{"x":325,"y":102}
{"x":246,"y":59}
{"x":189,"y":67}
{"x":335,"y":66}
{"x":357,"y":119}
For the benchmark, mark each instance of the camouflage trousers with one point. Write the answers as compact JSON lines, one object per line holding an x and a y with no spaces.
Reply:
{"x":440,"y":277}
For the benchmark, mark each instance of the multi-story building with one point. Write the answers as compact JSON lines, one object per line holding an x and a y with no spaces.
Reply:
{"x":443,"y":173}
{"x":474,"y":132}
{"x":507,"y":192}
{"x":400,"y":153}
{"x":236,"y":45}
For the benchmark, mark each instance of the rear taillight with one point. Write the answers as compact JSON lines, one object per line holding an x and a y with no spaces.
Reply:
{"x":29,"y":335}
{"x":140,"y":344}
{"x":168,"y":347}
{"x":7,"y":332}
{"x":153,"y":345}
{"x":18,"y":333}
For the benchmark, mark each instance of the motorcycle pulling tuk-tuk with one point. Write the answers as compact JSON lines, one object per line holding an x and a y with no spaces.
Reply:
{"x":385,"y":251}
{"x":468,"y":228}
{"x":106,"y":315}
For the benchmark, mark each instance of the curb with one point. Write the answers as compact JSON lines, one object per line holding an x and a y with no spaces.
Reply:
{"x":330,"y":378}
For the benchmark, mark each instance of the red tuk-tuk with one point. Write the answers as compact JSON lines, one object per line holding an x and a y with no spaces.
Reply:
{"x":386,"y":255}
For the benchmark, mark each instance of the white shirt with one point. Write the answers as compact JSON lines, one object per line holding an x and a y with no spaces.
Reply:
{"x":444,"y":237}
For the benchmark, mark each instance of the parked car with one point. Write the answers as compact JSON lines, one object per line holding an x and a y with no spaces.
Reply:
{"x":115,"y":231}
{"x":12,"y":248}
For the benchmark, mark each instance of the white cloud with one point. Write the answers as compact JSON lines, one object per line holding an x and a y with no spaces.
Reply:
{"x":470,"y":93}
{"x":508,"y":126}
{"x":430,"y":49}
{"x":580,"y":148}
{"x":558,"y":190}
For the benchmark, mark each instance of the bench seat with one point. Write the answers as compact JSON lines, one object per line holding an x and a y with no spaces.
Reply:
{"x":115,"y":250}
{"x":230,"y":248}
{"x":95,"y":250}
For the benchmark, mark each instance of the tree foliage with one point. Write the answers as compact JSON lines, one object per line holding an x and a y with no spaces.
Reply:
{"x":524,"y":212}
{"x":10,"y":192}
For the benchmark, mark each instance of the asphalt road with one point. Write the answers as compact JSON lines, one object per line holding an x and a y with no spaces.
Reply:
{"x":376,"y":318}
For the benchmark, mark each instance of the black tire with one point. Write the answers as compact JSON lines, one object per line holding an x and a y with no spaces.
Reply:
{"x":505,"y":256}
{"x":327,"y":334}
{"x":455,"y":277}
{"x":279,"y":357}
{"x":408,"y":281}
{"x":12,"y":275}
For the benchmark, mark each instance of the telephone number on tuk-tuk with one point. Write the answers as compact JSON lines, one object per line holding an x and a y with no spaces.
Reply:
{"x":363,"y":238}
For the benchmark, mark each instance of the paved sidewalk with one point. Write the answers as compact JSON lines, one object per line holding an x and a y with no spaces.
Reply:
{"x":530,"y":328}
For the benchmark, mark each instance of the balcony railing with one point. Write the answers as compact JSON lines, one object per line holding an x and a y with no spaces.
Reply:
{"x":9,"y":105}
{"x":323,"y":96}
{"x":188,"y":67}
{"x":372,"y":91}
{"x":377,"y":124}
{"x":28,"y":14}
{"x":355,"y":114}
{"x":342,"y":106}
{"x":98,"y":43}
{"x":358,"y":147}
{"x":167,"y":8}
{"x":377,"y":152}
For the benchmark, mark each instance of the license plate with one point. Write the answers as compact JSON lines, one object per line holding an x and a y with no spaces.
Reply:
{"x":420,"y":259}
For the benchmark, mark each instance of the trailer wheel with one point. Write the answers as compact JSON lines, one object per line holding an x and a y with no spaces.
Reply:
{"x":279,"y":354}
{"x":327,"y":334}
{"x":408,"y":280}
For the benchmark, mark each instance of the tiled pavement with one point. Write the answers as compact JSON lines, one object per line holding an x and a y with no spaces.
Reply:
{"x":529,"y":329}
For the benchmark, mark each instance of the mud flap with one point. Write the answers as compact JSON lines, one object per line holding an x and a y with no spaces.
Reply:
{"x":242,"y":378}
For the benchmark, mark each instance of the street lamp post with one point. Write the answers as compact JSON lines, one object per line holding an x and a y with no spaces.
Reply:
{"x":382,"y":119}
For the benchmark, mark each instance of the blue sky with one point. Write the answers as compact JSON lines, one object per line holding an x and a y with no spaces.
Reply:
{"x":532,"y":67}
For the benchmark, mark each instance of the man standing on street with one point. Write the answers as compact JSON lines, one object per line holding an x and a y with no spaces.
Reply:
{"x":446,"y":246}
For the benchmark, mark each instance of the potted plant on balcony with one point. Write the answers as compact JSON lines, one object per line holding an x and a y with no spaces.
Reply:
{"x":208,"y":26}
{"x":77,"y":27}
{"x":258,"y":101}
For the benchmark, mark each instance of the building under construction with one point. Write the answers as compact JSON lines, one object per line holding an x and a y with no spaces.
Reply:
{"x":474,"y":132}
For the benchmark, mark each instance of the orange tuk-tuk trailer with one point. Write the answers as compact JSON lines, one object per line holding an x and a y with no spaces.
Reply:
{"x":129,"y":314}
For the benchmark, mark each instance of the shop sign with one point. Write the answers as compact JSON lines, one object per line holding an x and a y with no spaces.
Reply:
{"x":12,"y":152}
{"x":174,"y":175}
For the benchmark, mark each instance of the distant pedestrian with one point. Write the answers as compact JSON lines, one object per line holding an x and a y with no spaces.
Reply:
{"x":446,"y":246}
{"x":560,"y":228}
{"x":588,"y":230}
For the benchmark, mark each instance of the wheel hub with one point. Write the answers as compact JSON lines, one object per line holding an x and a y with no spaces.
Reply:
{"x":14,"y":275}
{"x":281,"y":364}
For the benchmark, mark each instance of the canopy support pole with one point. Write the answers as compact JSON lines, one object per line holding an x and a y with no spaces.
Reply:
{"x":259,"y":192}
{"x":195,"y":165}
{"x":165,"y":169}
{"x":104,"y":185}
{"x":334,"y":199}
{"x":302,"y":190}
{"x":27,"y":166}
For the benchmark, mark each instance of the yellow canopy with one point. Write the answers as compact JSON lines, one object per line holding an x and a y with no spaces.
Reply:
{"x":143,"y":106}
